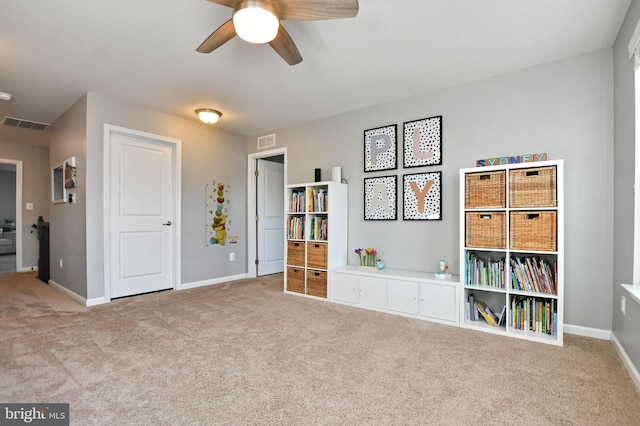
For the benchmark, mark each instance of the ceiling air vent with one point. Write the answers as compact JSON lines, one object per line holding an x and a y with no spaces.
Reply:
{"x":25,"y":124}
{"x":267,"y":141}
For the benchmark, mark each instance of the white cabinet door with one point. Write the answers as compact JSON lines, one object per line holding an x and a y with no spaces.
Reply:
{"x":372,"y":292}
{"x":344,"y":287}
{"x":438,"y":301}
{"x":402,"y":296}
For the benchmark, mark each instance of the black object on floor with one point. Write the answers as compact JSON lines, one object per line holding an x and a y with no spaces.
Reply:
{"x":43,"y":256}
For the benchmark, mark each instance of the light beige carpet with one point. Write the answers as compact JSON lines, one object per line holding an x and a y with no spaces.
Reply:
{"x":245,"y":353}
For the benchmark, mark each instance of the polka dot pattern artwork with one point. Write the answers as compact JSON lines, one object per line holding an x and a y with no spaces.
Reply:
{"x":380,"y":147}
{"x":422,"y":199}
{"x":423,"y":142}
{"x":380,"y":196}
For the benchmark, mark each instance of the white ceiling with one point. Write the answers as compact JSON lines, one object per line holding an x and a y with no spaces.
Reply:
{"x":52,"y":52}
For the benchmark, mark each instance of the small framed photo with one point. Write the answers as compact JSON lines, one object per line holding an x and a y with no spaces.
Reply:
{"x":380,"y":148}
{"x":422,"y":196}
{"x":423,"y":142}
{"x":380,"y":198}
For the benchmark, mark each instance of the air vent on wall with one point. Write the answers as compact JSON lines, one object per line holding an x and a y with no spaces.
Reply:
{"x":25,"y":124}
{"x":267,"y":141}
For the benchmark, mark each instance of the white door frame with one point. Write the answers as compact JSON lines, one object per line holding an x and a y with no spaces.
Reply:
{"x":19,"y":230}
{"x":176,"y":146}
{"x":252,"y":161}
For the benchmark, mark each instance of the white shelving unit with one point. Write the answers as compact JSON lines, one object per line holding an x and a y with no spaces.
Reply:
{"x":316,"y":236}
{"x":513,"y":211}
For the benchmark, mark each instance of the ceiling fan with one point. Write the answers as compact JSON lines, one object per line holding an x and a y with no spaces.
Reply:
{"x":258,"y":21}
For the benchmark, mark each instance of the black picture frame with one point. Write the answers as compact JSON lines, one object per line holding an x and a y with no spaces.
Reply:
{"x":384,"y":190}
{"x":422,"y":142}
{"x":420,"y":202}
{"x":380,"y":148}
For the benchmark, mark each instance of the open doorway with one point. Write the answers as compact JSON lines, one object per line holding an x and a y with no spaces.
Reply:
{"x":267,"y":173}
{"x":10,"y":215}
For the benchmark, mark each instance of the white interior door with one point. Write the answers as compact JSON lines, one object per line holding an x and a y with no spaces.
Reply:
{"x":141,"y":207}
{"x":270,"y":206}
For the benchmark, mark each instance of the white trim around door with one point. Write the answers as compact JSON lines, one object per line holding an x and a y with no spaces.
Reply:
{"x":251,"y":203}
{"x":176,"y":146}
{"x":19,"y":230}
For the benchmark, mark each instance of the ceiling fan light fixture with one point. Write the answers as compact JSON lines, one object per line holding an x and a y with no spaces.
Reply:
{"x":208,"y":116}
{"x":255,"y":22}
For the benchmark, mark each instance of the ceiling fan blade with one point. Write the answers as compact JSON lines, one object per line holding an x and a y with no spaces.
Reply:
{"x":217,"y":38}
{"x":312,"y":10}
{"x":228,"y":3}
{"x":285,"y":47}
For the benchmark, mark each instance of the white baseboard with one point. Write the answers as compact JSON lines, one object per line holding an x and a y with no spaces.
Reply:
{"x":626,"y":361}
{"x":101,"y":300}
{"x":28,"y":269}
{"x":186,"y":286}
{"x":95,"y":301}
{"x":68,"y":292}
{"x":579,"y":330}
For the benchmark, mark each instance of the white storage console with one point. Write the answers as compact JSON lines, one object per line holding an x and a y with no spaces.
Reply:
{"x":408,"y":293}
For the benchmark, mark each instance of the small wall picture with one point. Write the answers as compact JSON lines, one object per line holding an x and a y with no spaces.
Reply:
{"x":423,"y":142}
{"x":380,"y":198}
{"x":380,"y":149}
{"x":422,"y":196}
{"x":70,"y":173}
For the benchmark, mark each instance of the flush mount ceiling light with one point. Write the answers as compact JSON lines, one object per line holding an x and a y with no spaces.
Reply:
{"x":208,"y":116}
{"x":255,"y":21}
{"x":5,"y":96}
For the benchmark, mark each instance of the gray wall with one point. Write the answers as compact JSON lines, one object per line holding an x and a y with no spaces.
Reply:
{"x":625,"y":327}
{"x":14,"y":145}
{"x":7,"y":194}
{"x":207,"y":153}
{"x":67,"y":226}
{"x":563,"y":108}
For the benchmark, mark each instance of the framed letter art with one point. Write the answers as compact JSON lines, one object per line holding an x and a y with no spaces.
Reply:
{"x":380,"y":149}
{"x":380,"y":197}
{"x":423,"y":142}
{"x":422,"y":196}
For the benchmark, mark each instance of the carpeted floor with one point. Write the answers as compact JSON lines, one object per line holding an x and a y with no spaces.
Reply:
{"x":245,"y":353}
{"x":7,"y":263}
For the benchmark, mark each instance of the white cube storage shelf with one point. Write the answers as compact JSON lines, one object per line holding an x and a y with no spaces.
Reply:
{"x":408,"y":293}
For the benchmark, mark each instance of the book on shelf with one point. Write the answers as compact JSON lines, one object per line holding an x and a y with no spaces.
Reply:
{"x":296,"y":201}
{"x":295,"y":229}
{"x":538,"y":315}
{"x":473,"y":311}
{"x":318,"y":228}
{"x":532,"y":274}
{"x":487,"y":313}
{"x":503,"y":314}
{"x":485,"y":271}
{"x":317,"y":200}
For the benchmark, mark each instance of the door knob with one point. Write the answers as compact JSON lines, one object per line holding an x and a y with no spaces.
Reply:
{"x":167,"y":223}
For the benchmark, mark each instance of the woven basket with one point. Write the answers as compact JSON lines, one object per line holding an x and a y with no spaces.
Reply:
{"x":533,"y":187}
{"x":485,"y":230}
{"x":485,"y":190}
{"x":317,"y":283}
{"x":317,"y":255}
{"x":295,"y":253}
{"x":533,"y":230}
{"x":295,"y":279}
